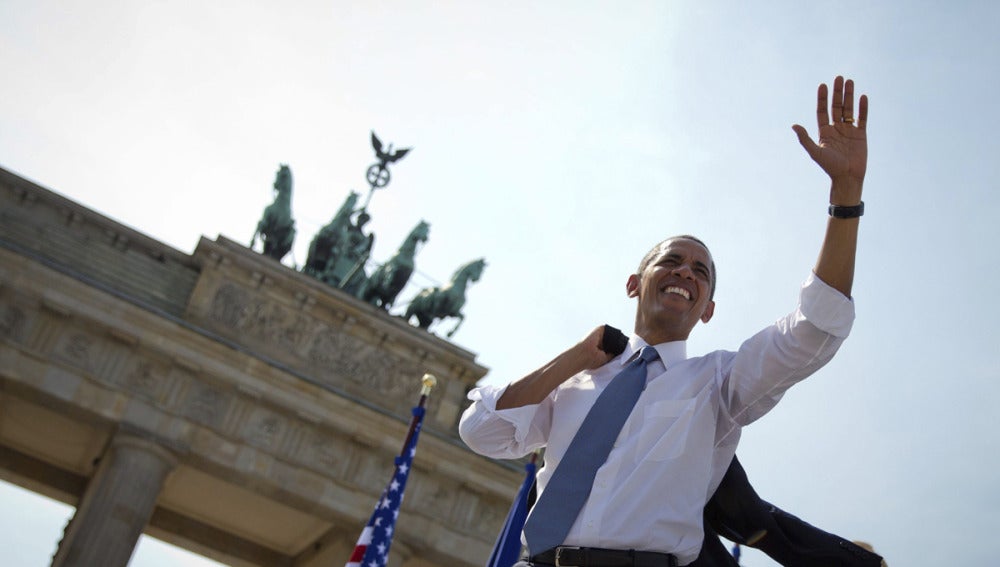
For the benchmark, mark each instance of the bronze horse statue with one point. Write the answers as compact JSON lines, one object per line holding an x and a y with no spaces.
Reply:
{"x":390,"y":278}
{"x":346,"y":267}
{"x":324,"y":243}
{"x":277,"y":228}
{"x":446,"y":301}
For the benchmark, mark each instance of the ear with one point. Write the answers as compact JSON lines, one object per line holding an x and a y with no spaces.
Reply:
{"x":632,"y":286}
{"x":706,"y":315}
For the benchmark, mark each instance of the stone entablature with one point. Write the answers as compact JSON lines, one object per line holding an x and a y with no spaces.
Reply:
{"x":66,"y":234}
{"x":328,"y":337}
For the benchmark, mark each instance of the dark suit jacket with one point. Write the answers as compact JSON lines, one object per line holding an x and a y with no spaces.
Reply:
{"x":737,"y":513}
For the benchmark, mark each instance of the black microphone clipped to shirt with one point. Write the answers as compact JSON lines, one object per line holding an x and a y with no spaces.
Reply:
{"x":613,"y":341}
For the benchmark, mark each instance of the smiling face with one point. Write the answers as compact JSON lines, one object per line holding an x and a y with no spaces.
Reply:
{"x":673,"y":290}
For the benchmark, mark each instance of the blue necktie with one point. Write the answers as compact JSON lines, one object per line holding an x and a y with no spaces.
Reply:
{"x":569,"y":487}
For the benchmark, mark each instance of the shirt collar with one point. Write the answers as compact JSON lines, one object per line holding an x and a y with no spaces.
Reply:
{"x":670,"y":353}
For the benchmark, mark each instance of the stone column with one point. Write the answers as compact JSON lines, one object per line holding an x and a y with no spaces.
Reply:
{"x":117,"y":504}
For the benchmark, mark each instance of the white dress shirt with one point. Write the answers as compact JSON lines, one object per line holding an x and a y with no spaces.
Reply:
{"x":679,"y":439}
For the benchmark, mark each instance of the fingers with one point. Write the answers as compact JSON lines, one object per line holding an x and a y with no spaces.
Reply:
{"x":841,"y":105}
{"x":822,"y":118}
{"x":848,"y":115}
{"x":807,"y":142}
{"x":863,"y":112}
{"x":837,"y":105}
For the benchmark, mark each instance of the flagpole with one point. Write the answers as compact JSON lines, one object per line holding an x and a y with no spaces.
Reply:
{"x":372,"y":549}
{"x":428,"y":381}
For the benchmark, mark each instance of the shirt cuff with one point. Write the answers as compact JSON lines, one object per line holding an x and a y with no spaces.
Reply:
{"x":829,"y":310}
{"x":487,"y":396}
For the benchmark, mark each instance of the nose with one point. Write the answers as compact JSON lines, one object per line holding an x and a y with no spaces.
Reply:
{"x":684,"y":270}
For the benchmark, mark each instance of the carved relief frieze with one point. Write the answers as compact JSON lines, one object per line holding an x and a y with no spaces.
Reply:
{"x":333,"y":349}
{"x":206,"y":404}
{"x":279,"y":328}
{"x":328,"y":453}
{"x":337,"y":356}
{"x":77,"y":349}
{"x":264,"y":429}
{"x":384,"y":373}
{"x":231,"y":306}
{"x":145,"y":379}
{"x":293,"y":436}
{"x":322,"y":453}
{"x":173,"y":393}
{"x":334,"y":355}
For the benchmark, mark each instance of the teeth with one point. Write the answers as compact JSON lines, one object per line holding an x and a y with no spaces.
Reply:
{"x":679,"y":291}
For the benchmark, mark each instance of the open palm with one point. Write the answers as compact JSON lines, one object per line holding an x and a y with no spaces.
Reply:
{"x":842,"y":149}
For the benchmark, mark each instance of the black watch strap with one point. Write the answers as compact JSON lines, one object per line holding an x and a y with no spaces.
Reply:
{"x":839,"y":212}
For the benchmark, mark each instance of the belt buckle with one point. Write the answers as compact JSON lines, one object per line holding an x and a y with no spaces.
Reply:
{"x":558,"y":560}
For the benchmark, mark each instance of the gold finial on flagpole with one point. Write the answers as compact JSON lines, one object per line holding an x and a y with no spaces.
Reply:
{"x":429,"y":381}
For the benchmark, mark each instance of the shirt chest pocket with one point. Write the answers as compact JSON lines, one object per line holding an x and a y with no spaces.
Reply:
{"x":665,"y":428}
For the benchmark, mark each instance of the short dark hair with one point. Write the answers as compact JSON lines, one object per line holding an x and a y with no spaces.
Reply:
{"x":656,"y":250}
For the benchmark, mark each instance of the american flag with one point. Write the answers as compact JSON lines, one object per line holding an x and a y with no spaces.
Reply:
{"x":372,"y":549}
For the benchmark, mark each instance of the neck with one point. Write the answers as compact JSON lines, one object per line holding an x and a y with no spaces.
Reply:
{"x":659,"y":336}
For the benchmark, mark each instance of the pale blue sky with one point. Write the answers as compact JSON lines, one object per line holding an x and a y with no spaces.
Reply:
{"x":560,"y":140}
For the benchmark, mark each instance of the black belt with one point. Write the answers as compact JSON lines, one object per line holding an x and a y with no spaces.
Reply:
{"x":596,"y":557}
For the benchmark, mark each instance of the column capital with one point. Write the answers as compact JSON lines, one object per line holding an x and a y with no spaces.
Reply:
{"x":129,"y":439}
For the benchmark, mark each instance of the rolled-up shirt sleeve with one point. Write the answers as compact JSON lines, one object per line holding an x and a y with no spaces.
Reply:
{"x":503,"y":434}
{"x":826,"y":308}
{"x":756,"y":377}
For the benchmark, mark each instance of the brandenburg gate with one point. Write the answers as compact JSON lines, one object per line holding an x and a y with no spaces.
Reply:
{"x":221,"y":401}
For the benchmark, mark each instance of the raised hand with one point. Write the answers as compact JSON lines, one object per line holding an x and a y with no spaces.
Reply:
{"x":842,"y":150}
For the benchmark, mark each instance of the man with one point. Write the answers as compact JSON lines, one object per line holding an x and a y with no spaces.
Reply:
{"x":643,"y":504}
{"x":738,"y":513}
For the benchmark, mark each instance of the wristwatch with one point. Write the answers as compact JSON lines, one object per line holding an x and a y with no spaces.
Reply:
{"x":839,"y":212}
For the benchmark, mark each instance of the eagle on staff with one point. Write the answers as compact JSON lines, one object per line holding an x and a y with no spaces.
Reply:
{"x":378,"y":174}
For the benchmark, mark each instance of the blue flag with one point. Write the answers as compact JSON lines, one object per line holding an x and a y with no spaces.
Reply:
{"x":372,"y":549}
{"x":507,"y":549}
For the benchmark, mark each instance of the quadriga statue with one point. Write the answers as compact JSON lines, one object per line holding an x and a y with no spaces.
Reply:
{"x":446,"y":301}
{"x":346,"y":266}
{"x":277,"y":228}
{"x":323,"y":245}
{"x":390,"y":278}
